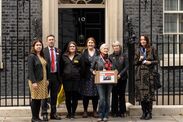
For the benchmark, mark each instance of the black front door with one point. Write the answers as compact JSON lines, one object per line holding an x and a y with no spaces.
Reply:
{"x":79,"y":24}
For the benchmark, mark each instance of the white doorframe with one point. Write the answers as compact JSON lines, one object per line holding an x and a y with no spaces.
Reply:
{"x":50,"y":19}
{"x":113,"y":18}
{"x":114,"y":22}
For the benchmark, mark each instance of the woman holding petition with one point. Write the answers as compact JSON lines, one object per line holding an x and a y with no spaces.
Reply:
{"x":103,"y":63}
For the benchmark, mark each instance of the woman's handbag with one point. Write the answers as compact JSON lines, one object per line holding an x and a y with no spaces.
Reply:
{"x":156,"y":77}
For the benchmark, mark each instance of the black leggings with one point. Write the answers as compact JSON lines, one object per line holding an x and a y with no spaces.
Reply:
{"x":94,"y":102}
{"x":35,"y":108}
{"x":118,"y":98}
{"x":71,"y":101}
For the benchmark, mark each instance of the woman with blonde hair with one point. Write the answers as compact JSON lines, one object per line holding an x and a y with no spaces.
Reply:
{"x":119,"y":60}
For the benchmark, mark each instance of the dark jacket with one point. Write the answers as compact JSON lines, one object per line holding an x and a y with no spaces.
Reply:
{"x":85,"y":63}
{"x":144,"y":80}
{"x":120,"y":63}
{"x":35,"y":69}
{"x":58,"y":59}
{"x":71,"y":72}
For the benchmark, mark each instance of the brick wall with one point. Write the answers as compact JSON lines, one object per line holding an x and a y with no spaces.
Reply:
{"x":131,"y":9}
{"x":21,"y":22}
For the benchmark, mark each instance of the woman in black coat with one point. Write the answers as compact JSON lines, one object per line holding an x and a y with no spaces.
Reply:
{"x":119,"y":61}
{"x":71,"y":77}
{"x":37,"y":78}
{"x":145,"y":60}
{"x":89,"y":89}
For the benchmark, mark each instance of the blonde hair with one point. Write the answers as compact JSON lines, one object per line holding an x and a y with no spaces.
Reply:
{"x":117,"y":43}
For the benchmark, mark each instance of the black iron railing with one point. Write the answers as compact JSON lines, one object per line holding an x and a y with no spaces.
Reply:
{"x":13,"y":76}
{"x":13,"y":81}
{"x":170,"y":54}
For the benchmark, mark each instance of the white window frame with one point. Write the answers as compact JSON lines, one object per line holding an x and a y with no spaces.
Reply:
{"x":172,"y":57}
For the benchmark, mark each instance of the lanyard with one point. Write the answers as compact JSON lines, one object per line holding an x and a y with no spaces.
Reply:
{"x":143,"y":50}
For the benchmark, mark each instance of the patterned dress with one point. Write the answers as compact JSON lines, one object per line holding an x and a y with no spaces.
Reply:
{"x":144,"y":83}
{"x":89,"y":87}
{"x":42,"y":90}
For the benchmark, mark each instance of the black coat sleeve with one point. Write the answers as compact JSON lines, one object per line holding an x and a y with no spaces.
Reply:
{"x":31,"y":68}
{"x":126,"y":66}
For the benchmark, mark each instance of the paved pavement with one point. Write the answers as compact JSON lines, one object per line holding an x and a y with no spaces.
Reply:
{"x":91,"y":119}
{"x":23,"y":114}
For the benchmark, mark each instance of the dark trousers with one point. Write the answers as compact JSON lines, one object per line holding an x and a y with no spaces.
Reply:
{"x":71,"y":101}
{"x":35,"y":108}
{"x":53,"y":88}
{"x":118,"y":98}
{"x":86,"y":102}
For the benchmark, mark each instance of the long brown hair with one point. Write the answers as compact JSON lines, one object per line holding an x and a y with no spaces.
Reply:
{"x":148,"y":45}
{"x":68,"y":45}
{"x":33,"y":47}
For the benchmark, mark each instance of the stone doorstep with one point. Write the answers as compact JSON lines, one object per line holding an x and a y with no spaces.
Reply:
{"x":158,"y":110}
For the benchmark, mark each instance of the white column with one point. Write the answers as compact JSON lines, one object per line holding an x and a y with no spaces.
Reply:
{"x":1,"y":64}
{"x":120,"y":21}
{"x":114,"y":21}
{"x":50,"y":19}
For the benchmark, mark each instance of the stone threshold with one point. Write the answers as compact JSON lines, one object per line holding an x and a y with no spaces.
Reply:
{"x":132,"y":110}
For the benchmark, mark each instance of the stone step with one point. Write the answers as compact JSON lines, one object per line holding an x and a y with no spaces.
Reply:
{"x":132,"y":110}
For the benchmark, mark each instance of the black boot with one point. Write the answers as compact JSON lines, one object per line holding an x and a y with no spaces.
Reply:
{"x":33,"y":110}
{"x":149,"y":116}
{"x":149,"y":111}
{"x":144,"y":113}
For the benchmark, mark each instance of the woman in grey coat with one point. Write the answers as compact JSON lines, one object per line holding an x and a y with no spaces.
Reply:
{"x":145,"y":60}
{"x":103,"y":63}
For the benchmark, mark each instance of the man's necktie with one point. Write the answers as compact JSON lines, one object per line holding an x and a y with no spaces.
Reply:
{"x":52,"y":60}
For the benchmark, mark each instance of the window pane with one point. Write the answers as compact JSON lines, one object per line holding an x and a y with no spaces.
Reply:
{"x":170,"y":23}
{"x":170,"y":44}
{"x":181,"y":5}
{"x":181,"y":23}
{"x":171,"y":5}
{"x":181,"y":43}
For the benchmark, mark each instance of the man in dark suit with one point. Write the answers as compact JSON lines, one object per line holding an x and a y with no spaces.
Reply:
{"x":53,"y":58}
